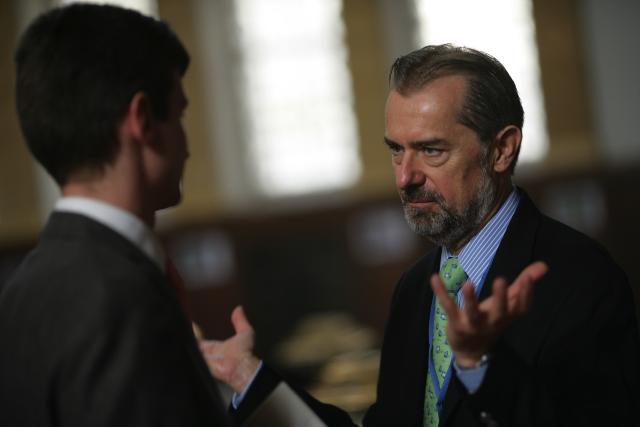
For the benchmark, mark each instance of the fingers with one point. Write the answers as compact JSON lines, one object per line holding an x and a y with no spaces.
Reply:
{"x":525,"y":297}
{"x":535,"y":270}
{"x":197,"y":331}
{"x":499,"y":292}
{"x":239,"y":320}
{"x":471,"y":303}
{"x":531,"y":274}
{"x":520,"y":294}
{"x":449,"y":305}
{"x":472,"y":330}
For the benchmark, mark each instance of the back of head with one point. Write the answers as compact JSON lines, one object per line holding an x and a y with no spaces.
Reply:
{"x":491,"y":101}
{"x":77,"y":69}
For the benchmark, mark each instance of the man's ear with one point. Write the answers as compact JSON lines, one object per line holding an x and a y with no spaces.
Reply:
{"x":138,"y":118}
{"x":506,"y":147}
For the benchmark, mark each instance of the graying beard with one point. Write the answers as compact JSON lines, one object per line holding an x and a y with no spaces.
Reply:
{"x":446,"y":228}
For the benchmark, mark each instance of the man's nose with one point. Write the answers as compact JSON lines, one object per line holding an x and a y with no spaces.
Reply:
{"x":408,"y":172}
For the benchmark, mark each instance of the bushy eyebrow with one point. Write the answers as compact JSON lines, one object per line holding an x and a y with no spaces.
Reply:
{"x":430,"y":143}
{"x":420,"y":145}
{"x":390,"y":143}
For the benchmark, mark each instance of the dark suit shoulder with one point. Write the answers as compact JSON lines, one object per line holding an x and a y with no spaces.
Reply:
{"x":574,"y":259}
{"x":81,"y":280}
{"x":574,"y":253}
{"x":92,"y":329}
{"x":566,"y":238}
{"x":83,"y":275}
{"x":69,"y":293}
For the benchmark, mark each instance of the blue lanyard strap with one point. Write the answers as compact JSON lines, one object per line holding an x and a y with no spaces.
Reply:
{"x":440,"y":390}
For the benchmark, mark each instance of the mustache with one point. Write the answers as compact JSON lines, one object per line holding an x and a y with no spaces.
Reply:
{"x":419,"y":194}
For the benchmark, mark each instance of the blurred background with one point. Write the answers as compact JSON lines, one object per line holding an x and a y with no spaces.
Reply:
{"x":289,"y":203}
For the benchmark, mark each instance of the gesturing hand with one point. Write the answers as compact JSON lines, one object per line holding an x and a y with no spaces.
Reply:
{"x":232,"y":361}
{"x":472,"y":330}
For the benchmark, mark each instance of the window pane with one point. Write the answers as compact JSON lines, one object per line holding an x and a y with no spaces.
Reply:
{"x":504,"y":29}
{"x":297,"y":95}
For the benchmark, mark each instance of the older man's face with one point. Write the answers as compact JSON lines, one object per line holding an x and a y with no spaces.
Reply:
{"x":440,"y":166}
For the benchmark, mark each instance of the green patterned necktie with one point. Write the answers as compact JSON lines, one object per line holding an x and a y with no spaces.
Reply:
{"x":453,"y":277}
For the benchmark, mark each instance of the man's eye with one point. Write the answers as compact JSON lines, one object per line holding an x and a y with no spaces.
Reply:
{"x":431,"y":151}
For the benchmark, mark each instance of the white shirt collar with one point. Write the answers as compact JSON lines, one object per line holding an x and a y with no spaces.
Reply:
{"x":119,"y":220}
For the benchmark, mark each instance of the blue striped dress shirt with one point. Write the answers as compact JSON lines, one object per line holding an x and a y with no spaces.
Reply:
{"x":476,"y":258}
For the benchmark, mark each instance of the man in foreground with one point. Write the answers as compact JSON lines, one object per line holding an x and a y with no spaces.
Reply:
{"x":92,"y":333}
{"x":515,"y":319}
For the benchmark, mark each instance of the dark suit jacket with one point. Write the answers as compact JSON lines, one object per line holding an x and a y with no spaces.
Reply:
{"x":91,"y":334}
{"x":573,"y":360}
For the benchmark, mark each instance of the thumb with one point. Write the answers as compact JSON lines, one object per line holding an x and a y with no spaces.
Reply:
{"x":239,"y":320}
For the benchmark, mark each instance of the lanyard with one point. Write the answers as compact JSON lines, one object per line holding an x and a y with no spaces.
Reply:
{"x":440,"y":390}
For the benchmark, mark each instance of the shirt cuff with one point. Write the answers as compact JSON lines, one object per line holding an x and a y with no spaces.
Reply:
{"x":471,"y":378}
{"x":236,"y":399}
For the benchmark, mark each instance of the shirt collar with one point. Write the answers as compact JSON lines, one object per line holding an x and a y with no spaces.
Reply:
{"x":477,"y":255}
{"x":119,"y":220}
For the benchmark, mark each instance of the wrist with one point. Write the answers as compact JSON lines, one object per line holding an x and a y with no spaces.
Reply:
{"x":471,"y":361}
{"x":245,"y":374}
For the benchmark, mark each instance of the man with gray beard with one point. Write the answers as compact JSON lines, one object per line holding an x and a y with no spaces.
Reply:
{"x":445,"y":227}
{"x":470,"y":340}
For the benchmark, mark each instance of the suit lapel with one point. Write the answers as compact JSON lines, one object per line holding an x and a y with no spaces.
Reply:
{"x":516,"y":249}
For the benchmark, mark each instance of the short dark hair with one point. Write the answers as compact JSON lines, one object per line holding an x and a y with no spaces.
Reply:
{"x":78,"y":68}
{"x":491,"y":102}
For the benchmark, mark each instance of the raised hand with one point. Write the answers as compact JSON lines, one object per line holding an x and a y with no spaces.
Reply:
{"x":472,"y":330}
{"x":232,"y":361}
